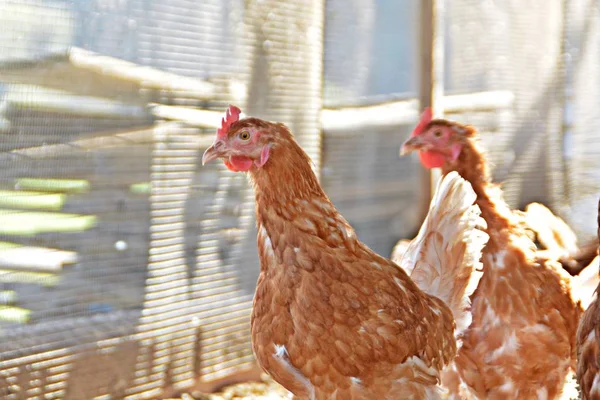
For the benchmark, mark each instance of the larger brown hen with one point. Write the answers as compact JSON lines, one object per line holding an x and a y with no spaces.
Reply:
{"x":521,"y":343}
{"x":332,"y":319}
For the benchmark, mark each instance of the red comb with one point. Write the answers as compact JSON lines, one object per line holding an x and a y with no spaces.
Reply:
{"x":426,"y":118}
{"x":231,"y":115}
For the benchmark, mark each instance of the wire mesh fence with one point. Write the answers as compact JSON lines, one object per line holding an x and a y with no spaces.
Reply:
{"x":127,"y":271}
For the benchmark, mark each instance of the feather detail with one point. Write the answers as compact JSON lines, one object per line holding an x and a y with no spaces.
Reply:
{"x":584,"y":285}
{"x":552,"y":232}
{"x":444,"y":258}
{"x":400,"y":249}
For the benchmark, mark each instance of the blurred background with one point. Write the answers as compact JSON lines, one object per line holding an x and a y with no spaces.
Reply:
{"x":128,"y":271}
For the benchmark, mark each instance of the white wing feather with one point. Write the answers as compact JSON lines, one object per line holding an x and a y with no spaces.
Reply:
{"x":444,"y":258}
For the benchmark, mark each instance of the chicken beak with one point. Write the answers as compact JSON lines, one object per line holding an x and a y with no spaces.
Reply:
{"x":213,"y":152}
{"x":412,"y":144}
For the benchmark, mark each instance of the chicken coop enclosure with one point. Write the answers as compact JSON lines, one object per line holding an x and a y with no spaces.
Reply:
{"x":127,"y":270}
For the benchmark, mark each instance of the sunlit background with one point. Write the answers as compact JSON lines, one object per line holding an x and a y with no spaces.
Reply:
{"x":127,"y":270}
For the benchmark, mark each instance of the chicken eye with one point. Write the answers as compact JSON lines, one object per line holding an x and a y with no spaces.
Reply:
{"x":245,"y":135}
{"x":437,"y":134}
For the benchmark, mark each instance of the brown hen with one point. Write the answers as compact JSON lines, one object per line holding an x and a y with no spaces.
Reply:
{"x":521,"y":343}
{"x":588,"y":346}
{"x":332,"y":319}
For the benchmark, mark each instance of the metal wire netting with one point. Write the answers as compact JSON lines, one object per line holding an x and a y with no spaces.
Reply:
{"x":127,"y":271}
{"x":546,"y":55}
{"x":139,"y":268}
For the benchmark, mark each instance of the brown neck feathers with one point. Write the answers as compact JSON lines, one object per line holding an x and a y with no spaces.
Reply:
{"x":287,"y":175}
{"x":473,"y":167}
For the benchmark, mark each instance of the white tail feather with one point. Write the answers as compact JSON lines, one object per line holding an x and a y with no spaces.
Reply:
{"x":583,"y":285}
{"x":444,"y":258}
{"x":399,"y":249}
{"x":552,"y":232}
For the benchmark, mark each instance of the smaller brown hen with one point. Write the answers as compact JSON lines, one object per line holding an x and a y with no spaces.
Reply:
{"x":521,"y":343}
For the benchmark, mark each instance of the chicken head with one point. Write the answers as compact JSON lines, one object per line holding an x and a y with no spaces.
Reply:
{"x":241,"y":144}
{"x":438,"y":141}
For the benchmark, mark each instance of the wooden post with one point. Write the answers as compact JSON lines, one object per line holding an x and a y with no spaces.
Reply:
{"x":431,"y":80}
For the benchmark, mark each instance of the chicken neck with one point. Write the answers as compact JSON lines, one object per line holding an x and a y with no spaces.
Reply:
{"x":473,"y":167}
{"x":285,"y":181}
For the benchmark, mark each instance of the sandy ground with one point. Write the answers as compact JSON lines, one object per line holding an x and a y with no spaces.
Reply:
{"x":265,"y":390}
{"x":270,"y":390}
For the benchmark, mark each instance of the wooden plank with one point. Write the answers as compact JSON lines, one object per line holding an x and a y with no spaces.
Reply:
{"x":38,"y":259}
{"x":31,"y":200}
{"x":189,"y":116}
{"x":87,"y":73}
{"x":19,"y":98}
{"x":344,"y":121}
{"x":7,"y":297}
{"x":431,"y":85}
{"x":53,"y":185}
{"x":141,"y":188}
{"x":393,"y":113}
{"x":13,"y":222}
{"x":35,"y":278}
{"x":120,"y":138}
{"x":489,"y":101}
{"x":14,"y":314}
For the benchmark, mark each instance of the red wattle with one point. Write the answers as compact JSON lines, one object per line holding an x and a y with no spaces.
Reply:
{"x":229,"y":166}
{"x":238,"y":163}
{"x":432,"y":159}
